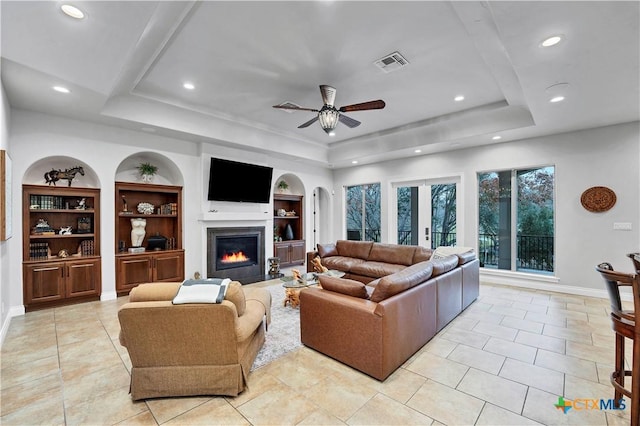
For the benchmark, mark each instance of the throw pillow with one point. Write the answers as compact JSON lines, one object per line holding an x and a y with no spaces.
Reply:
{"x":235,"y":294}
{"x":326,"y":250}
{"x":344,"y":286}
{"x":444,"y":251}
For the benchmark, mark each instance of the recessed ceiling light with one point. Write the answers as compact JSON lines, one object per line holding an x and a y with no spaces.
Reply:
{"x":418,"y":151}
{"x":551,"y":41}
{"x":556,"y":99}
{"x":496,"y":137}
{"x":354,"y":162}
{"x":189,"y":86}
{"x":61,"y":89}
{"x":72,"y":11}
{"x":332,"y":133}
{"x":459,"y":98}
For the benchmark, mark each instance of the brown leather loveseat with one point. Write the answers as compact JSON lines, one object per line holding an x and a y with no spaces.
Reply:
{"x":376,"y":327}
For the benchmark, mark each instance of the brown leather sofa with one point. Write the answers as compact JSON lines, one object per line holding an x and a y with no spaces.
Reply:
{"x":195,"y":348}
{"x":376,"y":327}
{"x":365,"y":260}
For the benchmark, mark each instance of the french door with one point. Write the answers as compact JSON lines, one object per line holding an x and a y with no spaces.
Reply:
{"x":426,"y":212}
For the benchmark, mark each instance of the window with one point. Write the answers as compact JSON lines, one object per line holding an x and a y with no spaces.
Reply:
{"x":517,"y":232}
{"x":363,"y":212}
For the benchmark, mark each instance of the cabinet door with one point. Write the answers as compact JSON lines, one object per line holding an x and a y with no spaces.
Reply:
{"x":83,"y":278}
{"x":282,"y":251}
{"x":297,"y":252}
{"x":133,"y":270}
{"x":44,"y":282}
{"x":169,"y":267}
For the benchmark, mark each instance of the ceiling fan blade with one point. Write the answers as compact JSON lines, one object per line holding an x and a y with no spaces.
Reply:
{"x":347,"y":121}
{"x":379,"y":104}
{"x":295,"y":108}
{"x":328,"y":94}
{"x":308,"y":123}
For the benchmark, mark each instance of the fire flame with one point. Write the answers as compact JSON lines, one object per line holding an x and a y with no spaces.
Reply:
{"x":234,"y":257}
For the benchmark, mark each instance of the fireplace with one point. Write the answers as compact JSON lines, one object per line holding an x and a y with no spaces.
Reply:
{"x":236,"y":253}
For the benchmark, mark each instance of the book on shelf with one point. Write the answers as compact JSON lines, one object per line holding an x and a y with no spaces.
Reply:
{"x":87,"y":248}
{"x":169,"y":208}
{"x":38,"y":251}
{"x":47,"y":202}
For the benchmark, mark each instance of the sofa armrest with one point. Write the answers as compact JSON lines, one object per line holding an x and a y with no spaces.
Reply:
{"x":310,"y":256}
{"x":154,"y":291}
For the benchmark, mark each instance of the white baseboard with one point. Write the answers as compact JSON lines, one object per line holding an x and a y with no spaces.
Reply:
{"x":546,"y":283}
{"x":111,"y":295}
{"x":13,"y":312}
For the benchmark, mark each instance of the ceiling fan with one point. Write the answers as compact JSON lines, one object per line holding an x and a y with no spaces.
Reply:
{"x":329,"y":115}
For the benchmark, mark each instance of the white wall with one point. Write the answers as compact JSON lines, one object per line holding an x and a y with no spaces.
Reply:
{"x":5,"y":260}
{"x":606,"y":156}
{"x":35,"y":136}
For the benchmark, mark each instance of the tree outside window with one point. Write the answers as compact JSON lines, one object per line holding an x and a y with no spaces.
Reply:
{"x":534,"y":230}
{"x":363,"y":212}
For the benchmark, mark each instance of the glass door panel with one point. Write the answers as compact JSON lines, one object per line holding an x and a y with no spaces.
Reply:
{"x":426,"y":214}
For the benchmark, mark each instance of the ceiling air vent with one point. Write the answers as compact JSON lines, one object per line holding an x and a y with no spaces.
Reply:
{"x":391,"y":62}
{"x":288,"y":104}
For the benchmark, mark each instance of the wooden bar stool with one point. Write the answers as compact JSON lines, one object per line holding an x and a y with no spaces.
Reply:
{"x":624,"y":325}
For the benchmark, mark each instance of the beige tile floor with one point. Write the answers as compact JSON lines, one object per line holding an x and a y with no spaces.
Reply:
{"x":504,"y":361}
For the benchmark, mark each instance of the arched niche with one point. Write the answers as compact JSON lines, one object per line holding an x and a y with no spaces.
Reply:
{"x":34,"y":175}
{"x":168,"y":173}
{"x":321,"y":206}
{"x":295,"y":185}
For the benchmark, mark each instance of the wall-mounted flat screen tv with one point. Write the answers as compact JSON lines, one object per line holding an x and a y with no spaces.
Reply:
{"x":239,"y":182}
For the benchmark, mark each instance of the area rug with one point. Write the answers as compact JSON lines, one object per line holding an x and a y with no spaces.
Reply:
{"x":283,"y":335}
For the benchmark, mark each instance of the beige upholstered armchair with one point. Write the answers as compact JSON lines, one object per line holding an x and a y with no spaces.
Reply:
{"x":192,"y":349}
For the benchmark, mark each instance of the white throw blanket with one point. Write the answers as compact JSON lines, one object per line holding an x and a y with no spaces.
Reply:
{"x":202,"y":291}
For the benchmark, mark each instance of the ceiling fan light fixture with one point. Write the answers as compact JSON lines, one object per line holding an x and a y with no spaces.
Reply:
{"x":328,"y":117}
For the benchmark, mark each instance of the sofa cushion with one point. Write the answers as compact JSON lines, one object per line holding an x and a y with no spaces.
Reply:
{"x":392,"y":253}
{"x":421,"y":254}
{"x":375,"y":269}
{"x":235,"y":294}
{"x":341,"y":263}
{"x":344,"y":286}
{"x":326,"y":250}
{"x":401,"y":281}
{"x":357,"y":249}
{"x":444,"y":251}
{"x":466,"y":257}
{"x":442,"y":265}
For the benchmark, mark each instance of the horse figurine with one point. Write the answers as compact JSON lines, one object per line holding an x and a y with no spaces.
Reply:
{"x":55,"y":175}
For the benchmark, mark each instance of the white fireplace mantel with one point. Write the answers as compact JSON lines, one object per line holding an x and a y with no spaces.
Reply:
{"x":217,"y":216}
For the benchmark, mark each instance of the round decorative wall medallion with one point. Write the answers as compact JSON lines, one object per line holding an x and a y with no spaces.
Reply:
{"x":598,"y":199}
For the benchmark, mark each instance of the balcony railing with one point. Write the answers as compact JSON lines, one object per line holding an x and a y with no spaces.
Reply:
{"x":437,"y":238}
{"x":534,"y":252}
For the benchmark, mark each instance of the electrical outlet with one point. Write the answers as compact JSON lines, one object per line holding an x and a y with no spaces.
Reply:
{"x":622,"y":226}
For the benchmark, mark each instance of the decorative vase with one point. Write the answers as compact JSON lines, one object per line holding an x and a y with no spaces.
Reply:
{"x":138,"y":232}
{"x":147,"y":178}
{"x":288,"y":232}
